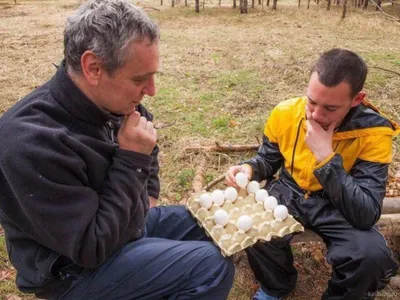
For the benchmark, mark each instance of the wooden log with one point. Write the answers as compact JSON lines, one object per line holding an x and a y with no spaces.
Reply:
{"x":198,"y":180}
{"x":391,"y":205}
{"x":389,"y":225}
{"x":215,"y":182}
{"x":222,"y":148}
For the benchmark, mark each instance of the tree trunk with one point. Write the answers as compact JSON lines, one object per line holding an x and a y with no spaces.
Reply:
{"x":267,"y":2}
{"x":243,"y":6}
{"x":379,"y":3}
{"x":204,"y":4}
{"x":219,"y":3}
{"x":274,"y":4}
{"x":173,"y":3}
{"x":328,"y":7}
{"x":317,"y":1}
{"x":344,"y":9}
{"x":185,"y":2}
{"x":298,"y":5}
{"x":308,"y":4}
{"x":234,"y":3}
{"x":162,"y":2}
{"x":197,"y":6}
{"x":252,"y":3}
{"x":365,"y":4}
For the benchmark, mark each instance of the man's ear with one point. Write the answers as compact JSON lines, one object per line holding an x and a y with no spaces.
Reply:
{"x":358,"y":99}
{"x":91,"y":67}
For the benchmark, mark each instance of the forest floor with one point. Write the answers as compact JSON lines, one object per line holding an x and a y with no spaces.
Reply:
{"x":220,"y":75}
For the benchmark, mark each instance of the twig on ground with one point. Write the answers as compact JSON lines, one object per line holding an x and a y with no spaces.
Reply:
{"x":159,"y":126}
{"x":387,"y":70}
{"x":393,"y":18}
{"x":214,"y":182}
{"x":222,"y":148}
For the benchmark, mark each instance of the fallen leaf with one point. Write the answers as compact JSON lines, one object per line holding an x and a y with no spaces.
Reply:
{"x":13,"y":297}
{"x":233,"y":123}
{"x":317,"y":254}
{"x":5,"y":274}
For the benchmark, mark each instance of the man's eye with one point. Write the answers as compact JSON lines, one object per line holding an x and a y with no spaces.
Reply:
{"x":330,"y":109}
{"x":139,"y":80}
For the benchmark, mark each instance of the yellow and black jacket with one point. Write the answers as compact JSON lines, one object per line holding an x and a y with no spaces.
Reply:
{"x":353,"y":178}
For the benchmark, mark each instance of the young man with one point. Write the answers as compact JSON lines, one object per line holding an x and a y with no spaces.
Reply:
{"x":78,"y":165}
{"x":334,"y":149}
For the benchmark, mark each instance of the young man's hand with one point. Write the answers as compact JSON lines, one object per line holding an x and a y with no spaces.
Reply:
{"x":153,"y":201}
{"x":318,"y":139}
{"x":230,"y":175}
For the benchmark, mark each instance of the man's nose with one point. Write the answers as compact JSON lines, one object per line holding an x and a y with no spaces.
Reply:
{"x":317,"y":114}
{"x":150,"y":88}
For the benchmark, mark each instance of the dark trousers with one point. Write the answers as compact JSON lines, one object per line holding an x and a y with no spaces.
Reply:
{"x":360,"y":259}
{"x":174,"y":260}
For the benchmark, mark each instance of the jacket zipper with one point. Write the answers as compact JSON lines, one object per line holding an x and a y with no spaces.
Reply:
{"x":111,"y":126}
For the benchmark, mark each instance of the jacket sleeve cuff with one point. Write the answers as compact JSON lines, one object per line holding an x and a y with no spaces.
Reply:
{"x":325,"y":161}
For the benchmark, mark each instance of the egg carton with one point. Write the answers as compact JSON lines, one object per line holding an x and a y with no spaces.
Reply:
{"x":229,"y":238}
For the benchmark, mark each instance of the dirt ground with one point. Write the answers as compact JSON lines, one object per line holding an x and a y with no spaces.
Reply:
{"x":220,"y":74}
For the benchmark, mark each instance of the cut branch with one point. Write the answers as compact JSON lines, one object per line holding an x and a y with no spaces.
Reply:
{"x":222,"y":148}
{"x":214,"y":182}
{"x":198,"y":180}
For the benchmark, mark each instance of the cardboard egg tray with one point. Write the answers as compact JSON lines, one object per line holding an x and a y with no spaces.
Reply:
{"x":231,"y":240}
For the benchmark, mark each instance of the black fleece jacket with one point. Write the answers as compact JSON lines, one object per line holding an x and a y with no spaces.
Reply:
{"x":69,"y":197}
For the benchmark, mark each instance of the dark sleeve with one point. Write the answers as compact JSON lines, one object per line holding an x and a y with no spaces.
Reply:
{"x":357,"y":195}
{"x":52,"y":199}
{"x":267,"y":161}
{"x":153,"y":184}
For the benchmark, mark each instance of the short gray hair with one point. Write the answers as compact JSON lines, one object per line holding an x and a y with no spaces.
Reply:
{"x":107,"y":28}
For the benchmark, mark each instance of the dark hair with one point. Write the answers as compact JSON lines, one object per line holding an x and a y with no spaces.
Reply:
{"x":340,"y":65}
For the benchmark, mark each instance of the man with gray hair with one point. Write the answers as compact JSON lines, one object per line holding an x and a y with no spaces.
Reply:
{"x":79,"y":176}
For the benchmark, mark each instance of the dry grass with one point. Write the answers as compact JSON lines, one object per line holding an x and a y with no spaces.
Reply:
{"x":221,"y":73}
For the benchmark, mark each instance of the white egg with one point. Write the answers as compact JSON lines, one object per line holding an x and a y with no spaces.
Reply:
{"x":218,"y":197}
{"x":261,"y":195}
{"x":205,"y":200}
{"x":281,"y":212}
{"x":253,"y":187}
{"x":244,"y":223}
{"x":231,"y":194}
{"x":241,"y":180}
{"x":221,"y":217}
{"x":270,"y":203}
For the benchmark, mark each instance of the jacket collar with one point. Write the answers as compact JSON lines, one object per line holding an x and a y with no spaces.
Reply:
{"x":75,"y":101}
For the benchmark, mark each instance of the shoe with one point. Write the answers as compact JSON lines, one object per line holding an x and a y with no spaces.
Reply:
{"x":261,"y":295}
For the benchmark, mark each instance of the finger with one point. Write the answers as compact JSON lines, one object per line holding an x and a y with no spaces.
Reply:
{"x":142,"y":123}
{"x":308,"y":113}
{"x":309,"y":125}
{"x":332,"y":127}
{"x":231,"y":174}
{"x":149,"y":126}
{"x":132,"y":120}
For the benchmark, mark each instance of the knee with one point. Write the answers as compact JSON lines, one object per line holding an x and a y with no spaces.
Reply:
{"x":214,"y":262}
{"x":371,"y":251}
{"x":374,"y":254}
